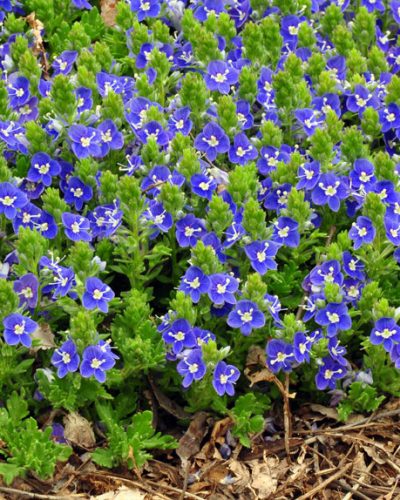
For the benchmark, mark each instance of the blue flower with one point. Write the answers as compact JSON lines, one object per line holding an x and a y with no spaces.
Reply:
{"x":286,"y":232}
{"x":362,"y":232}
{"x":328,"y":272}
{"x":64,"y":62}
{"x":11,"y":198}
{"x":362,"y":174}
{"x":244,"y":116}
{"x":95,"y":361}
{"x":353,"y":266}
{"x":335,"y":317}
{"x":330,"y":190}
{"x":194,"y":283}
{"x":222,"y":289}
{"x":180,"y":121}
{"x":242,"y":151}
{"x":18,"y":329}
{"x":220,"y":76}
{"x":97,"y":295}
{"x":280,"y":355}
{"x":18,"y":91}
{"x":308,"y":175}
{"x":337,"y":351}
{"x":246,"y":316}
{"x":329,"y":372}
{"x":180,"y":335}
{"x":203,"y":185}
{"x":361,"y":98}
{"x":26,"y":287}
{"x":77,"y":193}
{"x":309,"y":120}
{"x":76,"y":227}
{"x":188,"y":230}
{"x":65,"y":359}
{"x":225,"y":376}
{"x":392,"y":228}
{"x":81,"y":4}
{"x":212,"y":141}
{"x":62,"y":278}
{"x":385,"y":332}
{"x":145,"y":8}
{"x":110,"y":137}
{"x":302,"y":347}
{"x":43,"y":169}
{"x":389,"y":117}
{"x":277,"y":198}
{"x":192,"y":367}
{"x":84,"y":99}
{"x":152,"y":130}
{"x":86,"y":141}
{"x":261,"y":255}
{"x":162,"y":220}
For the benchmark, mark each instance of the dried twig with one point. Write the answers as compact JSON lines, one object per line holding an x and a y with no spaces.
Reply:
{"x":23,"y":493}
{"x":325,"y":483}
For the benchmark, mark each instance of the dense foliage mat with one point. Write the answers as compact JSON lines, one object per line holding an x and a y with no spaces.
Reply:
{"x":183,"y":185}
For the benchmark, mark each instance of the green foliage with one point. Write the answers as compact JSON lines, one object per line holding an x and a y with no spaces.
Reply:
{"x":129,"y":444}
{"x":26,"y":448}
{"x":247,"y":415}
{"x":360,"y":398}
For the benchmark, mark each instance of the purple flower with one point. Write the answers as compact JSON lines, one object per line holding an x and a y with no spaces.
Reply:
{"x":95,"y":361}
{"x":18,"y":328}
{"x":62,"y":278}
{"x":372,"y":5}
{"x":86,"y":141}
{"x":77,"y":193}
{"x":395,"y":7}
{"x":180,"y":335}
{"x":270,"y":157}
{"x":97,"y":295}
{"x":189,"y":230}
{"x":335,"y":317}
{"x":261,"y":255}
{"x":329,"y":372}
{"x":244,"y":116}
{"x":110,"y":137}
{"x":194,"y":283}
{"x":43,"y":169}
{"x":192,"y":367}
{"x":26,"y":288}
{"x":329,"y":190}
{"x":11,"y":198}
{"x":246,"y":316}
{"x":220,"y":76}
{"x":385,"y":332}
{"x":222,"y":289}
{"x":280,"y":355}
{"x":277,"y":198}
{"x":308,"y":175}
{"x":362,"y":232}
{"x":212,"y":141}
{"x":65,"y":359}
{"x":145,"y":8}
{"x":242,"y":151}
{"x":224,"y":378}
{"x":76,"y":227}
{"x":286,"y":232}
{"x":64,"y":62}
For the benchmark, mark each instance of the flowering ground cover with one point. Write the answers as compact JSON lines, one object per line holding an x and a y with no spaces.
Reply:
{"x":200,"y":215}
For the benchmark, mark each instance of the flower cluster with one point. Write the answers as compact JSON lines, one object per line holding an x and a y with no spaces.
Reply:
{"x":230,"y":167}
